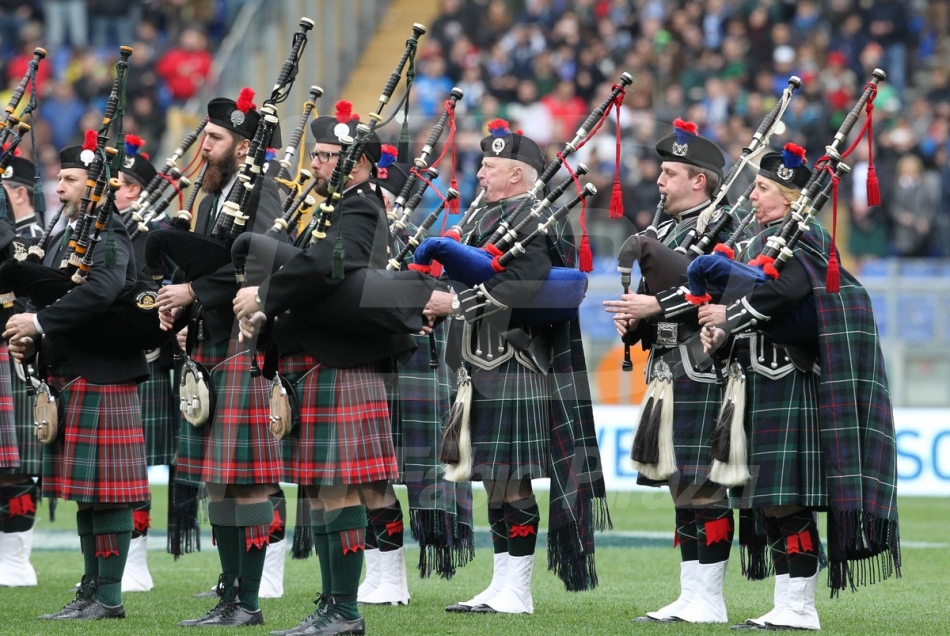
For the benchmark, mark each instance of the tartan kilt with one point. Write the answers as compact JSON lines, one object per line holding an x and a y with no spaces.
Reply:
{"x":695,"y":410}
{"x":100,"y":454}
{"x":9,"y":452}
{"x":159,"y":415}
{"x":344,"y":436}
{"x":239,"y":448}
{"x":30,"y":449}
{"x":192,"y":439}
{"x":420,"y":401}
{"x":781,"y":423}
{"x":510,"y":423}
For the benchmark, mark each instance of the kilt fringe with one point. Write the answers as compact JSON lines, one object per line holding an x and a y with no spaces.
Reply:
{"x":658,"y":428}
{"x":184,"y":528}
{"x":729,"y":447}
{"x":457,"y":442}
{"x":862,"y":549}
{"x":754,"y":553}
{"x":303,"y":531}
{"x":573,"y":566}
{"x":445,"y":543}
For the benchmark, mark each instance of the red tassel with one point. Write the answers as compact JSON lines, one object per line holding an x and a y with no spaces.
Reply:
{"x":726,"y":251}
{"x":698,"y":300}
{"x":616,"y":201}
{"x":833,"y":278}
{"x":586,"y":256}
{"x":874,"y":190}
{"x":454,"y":206}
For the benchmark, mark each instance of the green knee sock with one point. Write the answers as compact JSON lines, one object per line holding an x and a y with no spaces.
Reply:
{"x":254,"y":521}
{"x":345,"y":538}
{"x":320,"y":544}
{"x":113,"y":534}
{"x":227,"y":539}
{"x":87,"y":541}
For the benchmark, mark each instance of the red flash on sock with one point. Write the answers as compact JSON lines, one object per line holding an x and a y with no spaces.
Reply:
{"x":353,"y":540}
{"x":256,"y":537}
{"x":22,"y":505}
{"x":522,"y":531}
{"x":717,"y":530}
{"x":394,"y":527}
{"x":799,"y":543}
{"x":107,"y":545}
{"x":140,"y":520}
{"x":277,"y":524}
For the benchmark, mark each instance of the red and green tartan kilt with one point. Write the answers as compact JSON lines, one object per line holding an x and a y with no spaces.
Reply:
{"x":192,"y":439}
{"x":344,"y":436}
{"x":159,"y":415}
{"x":785,"y":459}
{"x":239,"y":448}
{"x":100,"y":454}
{"x":30,"y":449}
{"x":9,"y":452}
{"x":510,"y":423}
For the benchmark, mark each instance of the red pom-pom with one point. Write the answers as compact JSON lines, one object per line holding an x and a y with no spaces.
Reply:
{"x":144,"y":155}
{"x":344,"y":111}
{"x":245,"y":100}
{"x":616,"y":201}
{"x":585,"y":256}
{"x":519,"y":132}
{"x":494,"y":251}
{"x":698,"y":300}
{"x":796,"y":150}
{"x":686,"y":126}
{"x":726,"y":251}
{"x":833,"y":277}
{"x":90,"y":140}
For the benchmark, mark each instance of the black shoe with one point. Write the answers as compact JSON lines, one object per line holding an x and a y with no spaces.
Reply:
{"x":331,"y":624}
{"x":94,"y":610}
{"x":322,"y":604}
{"x":222,"y":606}
{"x":459,"y":608}
{"x":235,"y":616}
{"x":484,"y":609}
{"x":71,"y":607}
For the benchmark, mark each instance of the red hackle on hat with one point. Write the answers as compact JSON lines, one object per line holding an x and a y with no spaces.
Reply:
{"x":245,"y":100}
{"x":498,"y":128}
{"x":344,"y":111}
{"x":793,"y":155}
{"x":132,"y":145}
{"x":90,"y":140}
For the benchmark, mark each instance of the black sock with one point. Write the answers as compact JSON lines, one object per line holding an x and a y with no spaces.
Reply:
{"x":387,"y":527}
{"x":278,"y":528}
{"x":714,"y":532}
{"x":801,"y":543}
{"x":686,"y":534}
{"x":499,"y":530}
{"x":18,"y":507}
{"x":521,"y":521}
{"x":776,"y":545}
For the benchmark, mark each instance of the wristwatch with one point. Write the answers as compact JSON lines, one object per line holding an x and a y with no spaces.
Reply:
{"x":257,"y":299}
{"x":456,"y":306}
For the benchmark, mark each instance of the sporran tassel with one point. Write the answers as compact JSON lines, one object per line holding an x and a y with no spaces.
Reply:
{"x":456,"y":453}
{"x":339,"y":256}
{"x":729,"y":444}
{"x":656,"y":426}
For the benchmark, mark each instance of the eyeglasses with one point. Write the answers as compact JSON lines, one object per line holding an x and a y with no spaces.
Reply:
{"x":324,"y":157}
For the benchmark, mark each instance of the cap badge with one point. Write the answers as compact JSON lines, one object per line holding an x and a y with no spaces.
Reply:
{"x":497,"y":145}
{"x":8,"y":172}
{"x":680,"y":150}
{"x":341,"y":130}
{"x":86,"y":156}
{"x":784,"y":173}
{"x":237,"y":117}
{"x":129,"y":163}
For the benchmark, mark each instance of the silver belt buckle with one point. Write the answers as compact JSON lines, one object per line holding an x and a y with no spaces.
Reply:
{"x":666,"y":333}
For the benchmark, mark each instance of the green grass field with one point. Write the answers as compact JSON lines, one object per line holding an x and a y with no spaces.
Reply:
{"x":638,"y":572}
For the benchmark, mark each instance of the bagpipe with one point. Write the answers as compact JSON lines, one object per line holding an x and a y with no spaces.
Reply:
{"x":738,"y":279}
{"x":293,"y":146}
{"x":156,"y":212}
{"x":663,"y":267}
{"x":132,"y":319}
{"x":9,"y":119}
{"x":561,"y":293}
{"x":154,"y":189}
{"x":198,"y":255}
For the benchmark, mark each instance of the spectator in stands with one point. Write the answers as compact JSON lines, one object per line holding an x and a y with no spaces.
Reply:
{"x":185,"y":67}
{"x":61,"y":99}
{"x":566,"y":109}
{"x":431,"y":87}
{"x":913,"y":208}
{"x":112,"y":21}
{"x":66,"y":19}
{"x":14,"y":14}
{"x":529,"y":115}
{"x":888,"y":25}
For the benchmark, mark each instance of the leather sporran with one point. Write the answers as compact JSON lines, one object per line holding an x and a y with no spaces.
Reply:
{"x":197,"y":394}
{"x":48,"y":413}
{"x":284,"y":414}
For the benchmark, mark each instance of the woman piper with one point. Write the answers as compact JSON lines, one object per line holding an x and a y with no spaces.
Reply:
{"x":792,"y":374}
